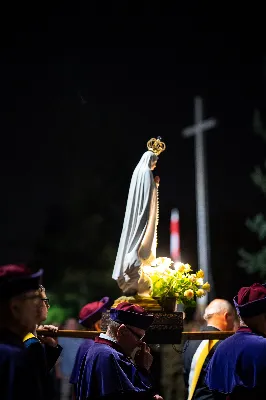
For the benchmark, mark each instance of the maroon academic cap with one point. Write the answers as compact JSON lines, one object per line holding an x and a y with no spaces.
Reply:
{"x":92,"y":312}
{"x":17,"y":279}
{"x":131,"y":314}
{"x":251,"y":301}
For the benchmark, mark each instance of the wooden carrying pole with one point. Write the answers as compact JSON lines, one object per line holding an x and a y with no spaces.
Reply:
{"x":92,"y":334}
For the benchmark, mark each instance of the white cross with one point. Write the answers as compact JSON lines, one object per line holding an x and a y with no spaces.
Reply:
{"x":197,"y":130}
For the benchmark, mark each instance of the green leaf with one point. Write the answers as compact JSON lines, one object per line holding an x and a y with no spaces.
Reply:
{"x":259,"y":178}
{"x":257,"y":225}
{"x":254,"y":262}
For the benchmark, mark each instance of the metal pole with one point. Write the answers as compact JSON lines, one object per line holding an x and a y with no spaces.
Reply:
{"x":201,"y":200}
{"x":197,"y":130}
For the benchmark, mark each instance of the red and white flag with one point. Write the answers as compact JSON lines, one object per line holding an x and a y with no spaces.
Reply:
{"x":175,"y":236}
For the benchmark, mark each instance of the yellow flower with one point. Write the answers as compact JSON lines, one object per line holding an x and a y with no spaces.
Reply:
{"x":200,"y":293}
{"x":206,"y":286}
{"x":187,"y":268}
{"x":189,"y":294}
{"x":192,"y":278}
{"x":180,"y":267}
{"x":200,"y":274}
{"x":199,"y":281}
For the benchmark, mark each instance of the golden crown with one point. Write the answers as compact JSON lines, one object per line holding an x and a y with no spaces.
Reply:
{"x":156,"y":146}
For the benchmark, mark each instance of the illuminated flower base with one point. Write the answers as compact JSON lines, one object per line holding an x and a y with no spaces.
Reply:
{"x":166,"y":279}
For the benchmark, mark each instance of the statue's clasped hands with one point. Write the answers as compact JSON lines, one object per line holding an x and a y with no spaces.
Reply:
{"x":157,"y":180}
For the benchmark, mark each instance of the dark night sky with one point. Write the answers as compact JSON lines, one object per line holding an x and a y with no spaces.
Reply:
{"x":138,"y":76}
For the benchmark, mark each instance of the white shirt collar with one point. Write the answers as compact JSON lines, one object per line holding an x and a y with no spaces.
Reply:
{"x":104,"y":336}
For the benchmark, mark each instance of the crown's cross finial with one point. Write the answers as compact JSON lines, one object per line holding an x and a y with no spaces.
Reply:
{"x":156,"y":146}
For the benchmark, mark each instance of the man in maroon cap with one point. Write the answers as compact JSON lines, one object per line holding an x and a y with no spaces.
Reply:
{"x":116,"y":367}
{"x":19,"y":311}
{"x":237,"y":370}
{"x":90,"y":317}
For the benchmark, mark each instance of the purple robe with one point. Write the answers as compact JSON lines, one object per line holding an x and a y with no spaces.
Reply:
{"x":238,"y":366}
{"x":106,"y":372}
{"x":78,"y":360}
{"x":17,"y":378}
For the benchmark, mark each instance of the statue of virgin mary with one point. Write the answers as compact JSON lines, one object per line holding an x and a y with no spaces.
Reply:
{"x":138,"y":239}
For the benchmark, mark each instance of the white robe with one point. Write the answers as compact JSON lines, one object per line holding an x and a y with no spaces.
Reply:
{"x":138,"y":237}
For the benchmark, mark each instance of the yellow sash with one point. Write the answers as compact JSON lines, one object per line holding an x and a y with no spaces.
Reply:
{"x":205,"y":351}
{"x":29,"y":336}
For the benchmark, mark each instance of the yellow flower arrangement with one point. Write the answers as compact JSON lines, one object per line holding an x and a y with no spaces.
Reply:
{"x":167,"y":279}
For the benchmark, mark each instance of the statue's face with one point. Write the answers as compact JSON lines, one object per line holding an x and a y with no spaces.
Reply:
{"x":153,"y":165}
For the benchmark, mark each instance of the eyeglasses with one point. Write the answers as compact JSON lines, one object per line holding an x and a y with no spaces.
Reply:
{"x":137,"y":335}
